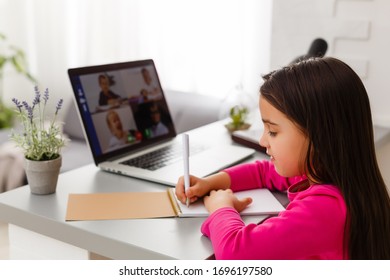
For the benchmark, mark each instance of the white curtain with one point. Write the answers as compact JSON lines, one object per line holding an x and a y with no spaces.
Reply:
{"x":202,"y":46}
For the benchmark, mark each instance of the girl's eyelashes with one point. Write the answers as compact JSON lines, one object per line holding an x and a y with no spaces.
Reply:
{"x":269,"y":130}
{"x":272,"y":133}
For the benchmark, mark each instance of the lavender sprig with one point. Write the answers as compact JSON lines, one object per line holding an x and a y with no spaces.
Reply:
{"x":59,"y":105}
{"x":46,"y":95}
{"x":18,"y":105}
{"x":37,"y":99}
{"x":29,"y":110}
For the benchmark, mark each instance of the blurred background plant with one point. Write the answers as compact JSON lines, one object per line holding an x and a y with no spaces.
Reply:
{"x":15,"y":57}
{"x":238,"y":115}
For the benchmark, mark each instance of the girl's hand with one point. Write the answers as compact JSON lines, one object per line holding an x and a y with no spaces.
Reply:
{"x":198,"y":188}
{"x":225,"y":198}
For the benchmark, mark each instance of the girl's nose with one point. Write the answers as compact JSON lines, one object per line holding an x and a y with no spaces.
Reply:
{"x":263,"y":141}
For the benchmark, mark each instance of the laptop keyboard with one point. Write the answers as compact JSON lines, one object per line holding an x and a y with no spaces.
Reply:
{"x":162,"y":157}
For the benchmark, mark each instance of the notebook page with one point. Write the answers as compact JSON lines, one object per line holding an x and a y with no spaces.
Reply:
{"x":264,"y":203}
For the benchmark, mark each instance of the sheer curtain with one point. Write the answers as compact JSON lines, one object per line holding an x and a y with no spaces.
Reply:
{"x":202,"y":46}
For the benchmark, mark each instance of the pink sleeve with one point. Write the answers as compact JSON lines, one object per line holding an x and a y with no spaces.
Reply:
{"x":258,"y":174}
{"x":311,"y":227}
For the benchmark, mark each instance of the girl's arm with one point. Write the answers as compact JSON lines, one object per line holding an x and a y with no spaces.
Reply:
{"x":258,"y":174}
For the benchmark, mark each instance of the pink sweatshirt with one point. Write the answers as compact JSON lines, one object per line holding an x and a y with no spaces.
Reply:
{"x":311,"y":227}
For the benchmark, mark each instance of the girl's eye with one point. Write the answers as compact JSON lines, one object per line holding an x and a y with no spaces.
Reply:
{"x":271,"y":133}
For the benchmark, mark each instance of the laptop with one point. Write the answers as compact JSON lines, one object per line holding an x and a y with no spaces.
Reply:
{"x":129,"y":128}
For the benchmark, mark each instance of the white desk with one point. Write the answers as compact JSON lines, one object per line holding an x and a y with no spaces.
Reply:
{"x":38,"y":228}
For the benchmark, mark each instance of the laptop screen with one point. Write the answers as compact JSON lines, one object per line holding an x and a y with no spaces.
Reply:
{"x":122,"y":107}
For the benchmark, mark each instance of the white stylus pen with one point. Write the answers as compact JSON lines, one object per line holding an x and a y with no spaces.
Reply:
{"x":186,"y":162}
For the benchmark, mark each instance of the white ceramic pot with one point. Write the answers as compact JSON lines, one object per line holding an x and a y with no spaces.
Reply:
{"x":42,"y":176}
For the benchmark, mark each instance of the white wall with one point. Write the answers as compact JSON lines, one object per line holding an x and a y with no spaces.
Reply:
{"x":201,"y":46}
{"x":357,"y":31}
{"x":383,"y":154}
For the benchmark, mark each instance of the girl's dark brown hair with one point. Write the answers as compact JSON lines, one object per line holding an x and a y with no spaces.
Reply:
{"x":328,"y":101}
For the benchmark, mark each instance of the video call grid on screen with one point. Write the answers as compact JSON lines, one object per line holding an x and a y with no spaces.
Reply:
{"x":138,"y":96}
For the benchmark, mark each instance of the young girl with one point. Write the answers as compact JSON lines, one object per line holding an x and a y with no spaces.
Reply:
{"x":119,"y":135}
{"x":319,"y":136}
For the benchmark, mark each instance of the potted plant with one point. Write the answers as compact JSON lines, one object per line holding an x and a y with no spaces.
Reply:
{"x":238,"y":115}
{"x":15,"y":57}
{"x":41,"y":141}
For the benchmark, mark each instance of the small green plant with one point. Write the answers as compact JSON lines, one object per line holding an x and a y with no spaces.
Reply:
{"x":41,"y":138}
{"x":238,"y":115}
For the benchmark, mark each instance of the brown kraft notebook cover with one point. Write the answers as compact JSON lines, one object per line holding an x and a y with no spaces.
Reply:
{"x":143,"y":205}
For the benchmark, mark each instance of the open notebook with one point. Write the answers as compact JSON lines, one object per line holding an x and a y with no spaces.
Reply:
{"x":142,"y":205}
